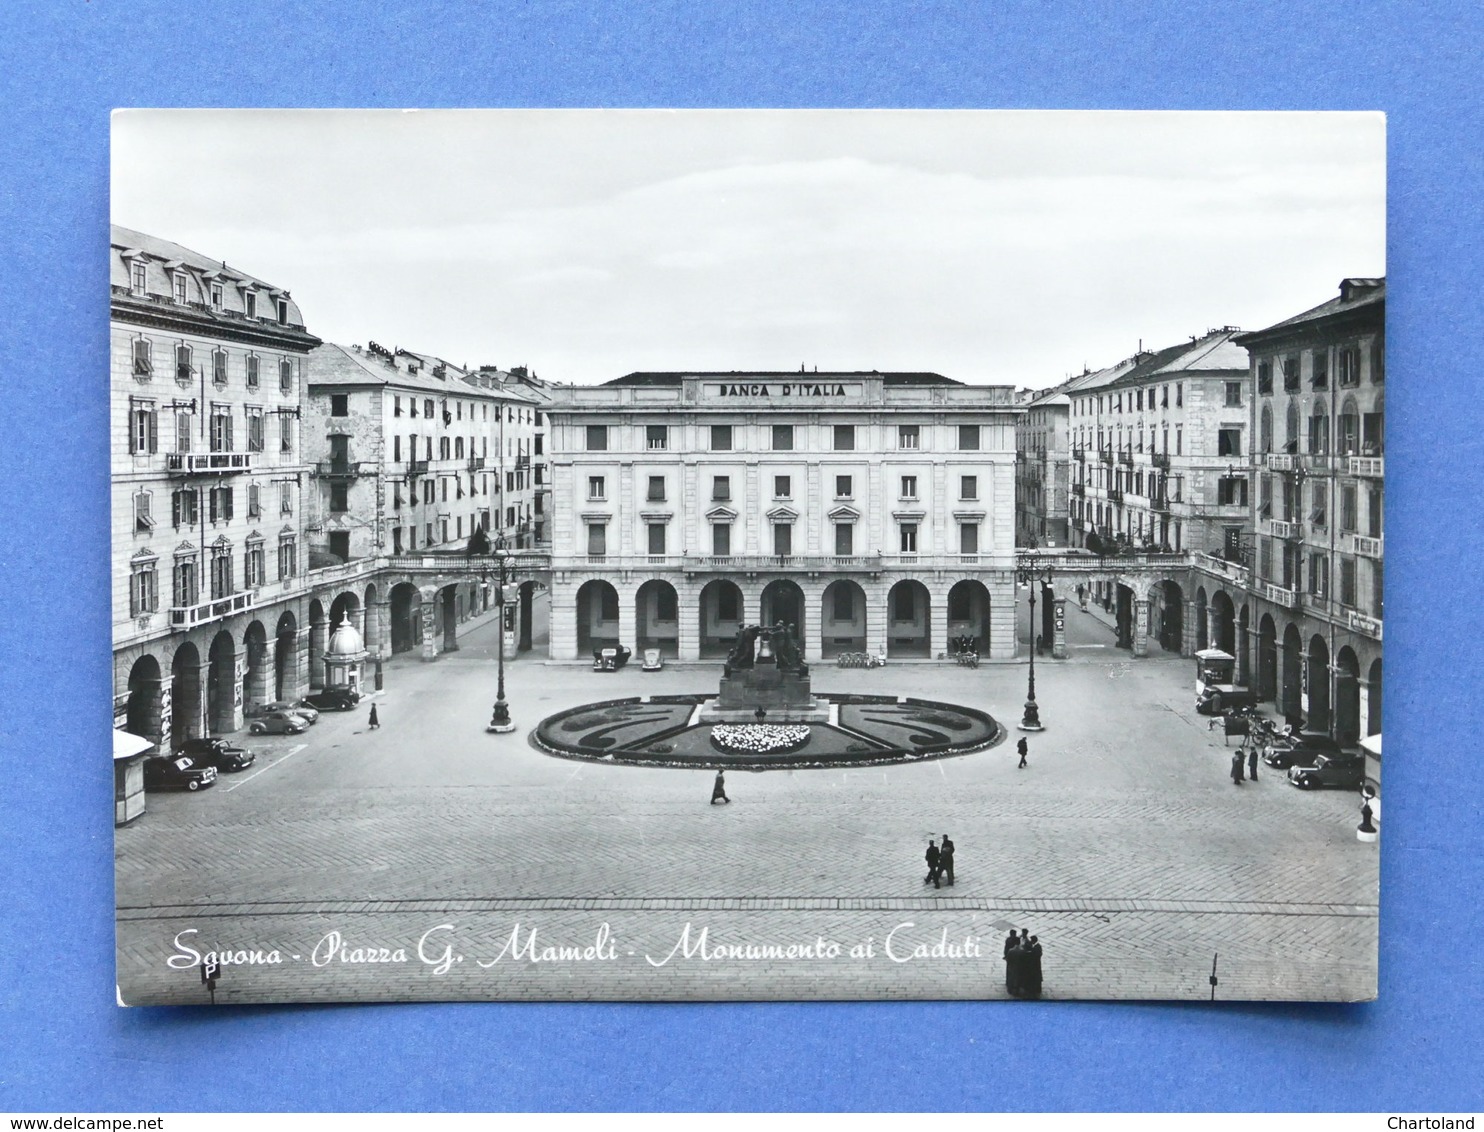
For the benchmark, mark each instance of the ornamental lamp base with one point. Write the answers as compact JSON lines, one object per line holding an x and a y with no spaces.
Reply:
{"x":500,"y":721}
{"x":1362,"y":835}
{"x":1032,"y":719}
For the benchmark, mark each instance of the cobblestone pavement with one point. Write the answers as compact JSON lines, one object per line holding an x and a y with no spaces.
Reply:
{"x":1124,"y":845}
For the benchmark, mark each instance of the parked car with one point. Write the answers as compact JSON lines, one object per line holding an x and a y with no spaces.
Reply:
{"x":217,"y":753}
{"x":298,"y":707}
{"x":176,"y":772}
{"x":333,"y":699}
{"x":1341,"y":770}
{"x":1218,"y":700}
{"x":278,"y":723}
{"x":1300,"y":750}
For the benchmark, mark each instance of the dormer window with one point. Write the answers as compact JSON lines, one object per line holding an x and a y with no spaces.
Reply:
{"x":250,"y":304}
{"x":283,"y":310}
{"x":217,"y":298}
{"x":137,"y":277}
{"x":178,"y":287}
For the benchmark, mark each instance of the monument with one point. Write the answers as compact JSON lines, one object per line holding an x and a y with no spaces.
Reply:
{"x":765,"y":679}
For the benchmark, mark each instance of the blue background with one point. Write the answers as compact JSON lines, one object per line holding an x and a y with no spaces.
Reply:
{"x":63,"y":1044}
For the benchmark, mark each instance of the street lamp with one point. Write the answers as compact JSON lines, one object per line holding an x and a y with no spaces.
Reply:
{"x":1029,"y":572}
{"x":500,"y":722}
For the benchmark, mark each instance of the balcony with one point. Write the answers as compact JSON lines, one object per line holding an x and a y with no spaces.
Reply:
{"x":1278,"y":595}
{"x":340,"y":469}
{"x":1126,"y":457}
{"x":1320,"y":461}
{"x":1160,"y":460}
{"x":1079,"y":453}
{"x":1105,"y":455}
{"x":1160,"y":505}
{"x":189,"y":616}
{"x":1371,"y":466}
{"x":1115,"y":495}
{"x":792,"y":563}
{"x":1079,"y":490}
{"x":416,"y":468}
{"x":209,"y":463}
{"x":476,"y":463}
{"x":1282,"y":462}
{"x":1284,"y":528}
{"x":1367,"y":547}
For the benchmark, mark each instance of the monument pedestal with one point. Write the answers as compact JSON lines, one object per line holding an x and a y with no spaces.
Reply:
{"x":784,"y":697}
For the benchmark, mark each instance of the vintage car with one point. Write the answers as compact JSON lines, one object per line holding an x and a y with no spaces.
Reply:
{"x":298,"y":707}
{"x":1343,"y":770}
{"x":334,"y":699}
{"x":610,"y":659}
{"x":176,"y":772}
{"x":1302,"y":749}
{"x":217,"y":753}
{"x":278,"y":723}
{"x":654,"y":660}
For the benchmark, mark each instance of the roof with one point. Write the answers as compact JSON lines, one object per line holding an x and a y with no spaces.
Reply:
{"x":1216,"y":352}
{"x":1356,"y":294}
{"x":675,"y":378}
{"x":334,"y":364}
{"x":165,"y":256}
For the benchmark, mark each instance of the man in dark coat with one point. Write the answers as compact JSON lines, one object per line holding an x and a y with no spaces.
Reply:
{"x":1031,"y":986}
{"x":1023,"y":747}
{"x":945,"y":860}
{"x":373,"y":722}
{"x":1252,"y":763}
{"x":719,"y":789}
{"x":1012,"y":964}
{"x":934,"y":863}
{"x":1237,"y":767}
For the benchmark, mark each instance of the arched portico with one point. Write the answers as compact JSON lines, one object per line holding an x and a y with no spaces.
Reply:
{"x":288,"y":678}
{"x":1290,"y":702}
{"x":1267,"y":658}
{"x":782,"y":600}
{"x":909,"y":620}
{"x":1222,"y":620}
{"x":1169,"y":607}
{"x":406,"y":617}
{"x":657,"y":618}
{"x":843,"y":618}
{"x":1318,"y":681}
{"x":968,"y":613}
{"x":720,"y":611}
{"x":147,"y":695}
{"x":1347,"y":695}
{"x":597,"y":616}
{"x":187,"y":699}
{"x":1202,"y":623}
{"x":223,"y":685}
{"x":1373,"y":698}
{"x":257,"y":681}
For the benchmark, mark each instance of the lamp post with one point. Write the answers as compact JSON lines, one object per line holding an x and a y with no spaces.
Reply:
{"x":1029,"y":572}
{"x":500,"y":722}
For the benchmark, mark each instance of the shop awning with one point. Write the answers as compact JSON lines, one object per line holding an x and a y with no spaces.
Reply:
{"x":126,"y":745}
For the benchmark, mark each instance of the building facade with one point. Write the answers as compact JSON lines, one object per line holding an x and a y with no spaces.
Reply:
{"x":872,"y":511}
{"x":207,"y":368}
{"x":1318,"y":415}
{"x":1043,"y":459}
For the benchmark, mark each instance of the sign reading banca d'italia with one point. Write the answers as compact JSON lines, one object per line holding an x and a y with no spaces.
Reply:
{"x":783,"y":390}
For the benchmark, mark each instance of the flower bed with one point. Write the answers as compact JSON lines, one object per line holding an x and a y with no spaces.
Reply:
{"x":759,"y":738}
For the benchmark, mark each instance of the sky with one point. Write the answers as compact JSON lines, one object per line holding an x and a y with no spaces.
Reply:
{"x":992,"y":247}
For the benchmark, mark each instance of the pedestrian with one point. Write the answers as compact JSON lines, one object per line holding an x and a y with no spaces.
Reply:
{"x":1023,"y":747}
{"x":374,"y":722}
{"x":1031,"y":987}
{"x":934,"y":862}
{"x":1237,"y":767}
{"x":719,"y":789}
{"x":1012,"y":964}
{"x":945,"y":860}
{"x":1252,"y":763}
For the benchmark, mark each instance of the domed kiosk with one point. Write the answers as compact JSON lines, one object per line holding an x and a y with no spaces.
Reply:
{"x":344,"y":657}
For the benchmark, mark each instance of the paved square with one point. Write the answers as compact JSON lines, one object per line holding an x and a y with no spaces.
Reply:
{"x":428,"y":860}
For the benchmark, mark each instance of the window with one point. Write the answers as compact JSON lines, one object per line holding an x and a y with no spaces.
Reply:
{"x":1348,"y":511}
{"x":843,"y":487}
{"x":656,"y":489}
{"x":283,"y":310}
{"x":254,"y":501}
{"x":968,"y":538}
{"x":221,"y":571}
{"x":1378,"y":362}
{"x":1319,"y":374}
{"x":250,"y":304}
{"x":138,"y":277}
{"x":721,"y":438}
{"x":968,"y":487}
{"x":783,"y":487}
{"x":221,"y":428}
{"x":428,"y":412}
{"x":845,"y":538}
{"x":184,"y":507}
{"x":285,"y":433}
{"x":183,"y":369}
{"x":178,"y":286}
{"x":1318,"y":574}
{"x":287,"y":557}
{"x":844,"y":438}
{"x":143,"y":437}
{"x":1179,"y":440}
{"x":1347,"y":365}
{"x":1231,"y":491}
{"x":285,"y":375}
{"x":144,"y":520}
{"x":339,"y":404}
{"x":1264,"y":377}
{"x":597,"y":539}
{"x":783,"y":539}
{"x":968,"y":438}
{"x":1373,"y":513}
{"x":1319,"y":512}
{"x":254,"y":572}
{"x":144,"y":588}
{"x":1233,"y":394}
{"x":909,"y":487}
{"x":255,"y":428}
{"x":339,"y":498}
{"x":904,"y":603}
{"x":909,"y":538}
{"x":143,"y":367}
{"x":218,"y":368}
{"x":445,"y":448}
{"x":783,"y":438}
{"x":396,"y":540}
{"x":597,"y":437}
{"x":220,"y":500}
{"x":656,"y":538}
{"x":1139,"y":399}
{"x":721,"y":539}
{"x":597,"y":487}
{"x":656,"y":438}
{"x":908,"y":436}
{"x":186,"y":582}
{"x":721,"y":488}
{"x":1291,"y":374}
{"x":1179,"y":394}
{"x":216,"y":296}
{"x":1347,"y":582}
{"x":397,"y":409}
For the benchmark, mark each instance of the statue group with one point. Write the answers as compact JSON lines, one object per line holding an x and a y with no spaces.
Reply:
{"x":763,"y":645}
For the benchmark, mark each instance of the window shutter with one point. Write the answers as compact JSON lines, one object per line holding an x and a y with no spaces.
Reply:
{"x":154,"y":440}
{"x":227,"y":499}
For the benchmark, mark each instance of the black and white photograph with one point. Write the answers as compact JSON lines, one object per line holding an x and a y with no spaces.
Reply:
{"x":596,"y":555}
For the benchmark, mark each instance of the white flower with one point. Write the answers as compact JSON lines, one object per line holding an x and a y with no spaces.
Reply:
{"x":759,"y":738}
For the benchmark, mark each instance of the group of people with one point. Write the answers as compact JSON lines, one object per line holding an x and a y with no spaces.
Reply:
{"x":1022,"y":964}
{"x":1249,"y":755}
{"x":939,"y":863}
